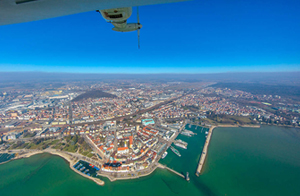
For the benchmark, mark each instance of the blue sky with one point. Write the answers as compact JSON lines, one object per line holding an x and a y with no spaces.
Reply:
{"x":199,"y":36}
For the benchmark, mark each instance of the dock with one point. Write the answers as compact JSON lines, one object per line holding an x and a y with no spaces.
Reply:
{"x":204,"y":152}
{"x":171,"y":170}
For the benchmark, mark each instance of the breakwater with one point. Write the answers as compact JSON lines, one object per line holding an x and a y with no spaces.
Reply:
{"x":204,"y":151}
{"x":171,"y":170}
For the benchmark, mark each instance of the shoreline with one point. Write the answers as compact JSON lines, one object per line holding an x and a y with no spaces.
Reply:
{"x":62,"y":155}
{"x":131,"y":177}
{"x":73,"y":161}
{"x":249,"y":126}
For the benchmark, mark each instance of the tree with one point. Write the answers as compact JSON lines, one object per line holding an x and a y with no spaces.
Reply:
{"x":80,"y":140}
{"x":75,"y":139}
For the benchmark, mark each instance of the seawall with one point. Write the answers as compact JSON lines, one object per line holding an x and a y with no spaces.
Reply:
{"x":204,"y":151}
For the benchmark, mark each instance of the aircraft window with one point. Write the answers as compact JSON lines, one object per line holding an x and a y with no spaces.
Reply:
{"x":24,"y":1}
{"x":116,"y":16}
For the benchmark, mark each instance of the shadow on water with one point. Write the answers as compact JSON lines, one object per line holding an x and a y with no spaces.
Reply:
{"x":294,"y":133}
{"x":47,"y":159}
{"x":169,"y":186}
{"x":203,"y":188}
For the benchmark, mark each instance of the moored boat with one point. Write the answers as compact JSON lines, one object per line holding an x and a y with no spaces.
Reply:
{"x":164,"y":155}
{"x":175,"y":151}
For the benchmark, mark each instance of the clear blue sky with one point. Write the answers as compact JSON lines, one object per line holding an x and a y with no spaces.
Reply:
{"x":200,"y":36}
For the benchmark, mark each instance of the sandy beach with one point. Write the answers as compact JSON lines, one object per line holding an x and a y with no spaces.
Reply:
{"x":251,"y":126}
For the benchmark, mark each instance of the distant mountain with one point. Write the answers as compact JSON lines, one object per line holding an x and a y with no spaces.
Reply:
{"x":93,"y":95}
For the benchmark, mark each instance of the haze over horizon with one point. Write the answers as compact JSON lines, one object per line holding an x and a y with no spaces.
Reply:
{"x":187,"y":37}
{"x":270,"y":78}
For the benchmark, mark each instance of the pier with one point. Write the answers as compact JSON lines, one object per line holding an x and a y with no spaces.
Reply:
{"x":171,"y":170}
{"x":204,"y":152}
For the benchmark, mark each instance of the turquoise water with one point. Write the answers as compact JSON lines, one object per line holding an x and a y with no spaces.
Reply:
{"x":245,"y":161}
{"x":240,"y":161}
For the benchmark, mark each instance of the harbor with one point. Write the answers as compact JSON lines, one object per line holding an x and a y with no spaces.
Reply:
{"x":182,"y":164}
{"x":86,"y":168}
{"x":6,"y":157}
{"x":204,"y":151}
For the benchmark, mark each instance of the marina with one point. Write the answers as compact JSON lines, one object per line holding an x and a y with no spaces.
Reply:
{"x":86,"y":168}
{"x":179,"y":163}
{"x":6,"y":157}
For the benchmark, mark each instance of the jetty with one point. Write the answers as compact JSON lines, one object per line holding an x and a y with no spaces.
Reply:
{"x":171,"y":170}
{"x":204,"y":151}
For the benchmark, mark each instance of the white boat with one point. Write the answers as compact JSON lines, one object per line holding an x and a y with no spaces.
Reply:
{"x":186,"y":134}
{"x":175,"y":151}
{"x":164,"y":155}
{"x":180,"y":145}
{"x":182,"y":142}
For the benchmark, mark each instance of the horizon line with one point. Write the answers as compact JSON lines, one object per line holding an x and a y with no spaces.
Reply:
{"x":231,"y":72}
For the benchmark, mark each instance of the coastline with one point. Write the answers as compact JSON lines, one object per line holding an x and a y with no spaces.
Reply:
{"x":131,"y":177}
{"x":71,"y":160}
{"x":226,"y":125}
{"x":64,"y":156}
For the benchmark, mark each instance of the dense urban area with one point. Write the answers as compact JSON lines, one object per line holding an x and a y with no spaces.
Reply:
{"x":124,"y":127}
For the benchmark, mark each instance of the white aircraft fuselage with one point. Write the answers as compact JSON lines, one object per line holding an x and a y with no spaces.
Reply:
{"x":19,"y":11}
